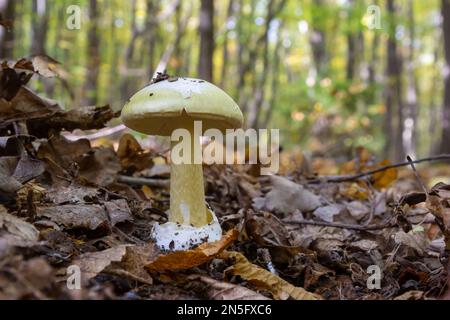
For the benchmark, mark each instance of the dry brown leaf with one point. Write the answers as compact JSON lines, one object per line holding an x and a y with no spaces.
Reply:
{"x":280,"y":288}
{"x":92,"y":263}
{"x":384,"y":178}
{"x":118,"y":211}
{"x":179,"y":260}
{"x":411,"y":295}
{"x":100,"y":166}
{"x":47,"y":66}
{"x":76,"y":216}
{"x":132,"y":156}
{"x":416,"y":240}
{"x":71,"y":194}
{"x":17,"y":226}
{"x":218,"y":290}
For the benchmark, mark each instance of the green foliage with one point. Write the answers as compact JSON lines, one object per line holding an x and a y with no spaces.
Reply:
{"x":352,"y":110}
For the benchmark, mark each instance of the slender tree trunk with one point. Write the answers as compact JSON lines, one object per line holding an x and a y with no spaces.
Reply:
{"x":7,"y":10}
{"x":410,"y":123}
{"x":181,"y":25}
{"x":125,"y":83}
{"x":355,"y":47}
{"x":240,"y":93}
{"x":317,"y":39}
{"x":394,"y":113}
{"x":206,"y":29}
{"x":372,"y":68}
{"x":445,"y":140}
{"x":260,"y":82}
{"x":151,"y":33}
{"x":39,"y":27}
{"x":225,"y":53}
{"x":93,"y":62}
{"x":351,"y":56}
{"x":434,"y":107}
{"x":275,"y":80}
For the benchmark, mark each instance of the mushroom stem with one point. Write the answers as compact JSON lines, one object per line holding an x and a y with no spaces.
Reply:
{"x":187,"y":192}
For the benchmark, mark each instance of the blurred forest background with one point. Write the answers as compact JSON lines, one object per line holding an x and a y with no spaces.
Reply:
{"x":323,"y":71}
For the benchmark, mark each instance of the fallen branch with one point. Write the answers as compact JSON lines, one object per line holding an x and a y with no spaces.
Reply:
{"x":352,"y":177}
{"x":343,"y":225}
{"x":158,"y":183}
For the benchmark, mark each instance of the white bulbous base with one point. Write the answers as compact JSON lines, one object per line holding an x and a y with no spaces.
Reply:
{"x":172,"y":236}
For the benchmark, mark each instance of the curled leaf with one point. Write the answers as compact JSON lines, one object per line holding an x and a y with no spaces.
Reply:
{"x":179,"y":260}
{"x":280,"y":289}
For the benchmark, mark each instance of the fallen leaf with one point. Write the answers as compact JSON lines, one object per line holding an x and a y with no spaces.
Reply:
{"x":92,"y":263}
{"x":287,"y":196}
{"x":8,"y":184}
{"x":411,"y":295}
{"x":118,"y":211}
{"x":46,"y":66}
{"x":384,"y":178}
{"x":357,"y":209}
{"x":280,"y":288}
{"x":180,"y":260}
{"x":99,"y":166}
{"x":132,"y":156}
{"x":17,"y":226}
{"x":218,"y":290}
{"x":266,"y":229}
{"x":71,"y":194}
{"x":416,"y":240}
{"x":84,"y":118}
{"x":76,"y":216}
{"x":327,"y":213}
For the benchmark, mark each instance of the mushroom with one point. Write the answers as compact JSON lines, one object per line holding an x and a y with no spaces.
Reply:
{"x":159,"y":109}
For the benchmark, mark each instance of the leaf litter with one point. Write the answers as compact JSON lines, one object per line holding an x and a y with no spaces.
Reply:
{"x":293,"y":236}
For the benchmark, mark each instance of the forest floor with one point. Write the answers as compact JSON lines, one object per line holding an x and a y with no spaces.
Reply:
{"x":68,"y":205}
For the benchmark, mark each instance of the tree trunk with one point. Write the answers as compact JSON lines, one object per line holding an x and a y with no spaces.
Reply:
{"x":372,"y":68}
{"x":151,"y":30}
{"x":445,"y":140}
{"x":206,"y":29}
{"x":93,"y":62}
{"x":434,"y":107}
{"x":181,"y":25}
{"x":393,"y":94}
{"x":275,"y":80}
{"x":225,"y":53}
{"x":410,"y":123}
{"x":39,"y":27}
{"x":260,"y":82}
{"x":7,"y":9}
{"x":317,"y":39}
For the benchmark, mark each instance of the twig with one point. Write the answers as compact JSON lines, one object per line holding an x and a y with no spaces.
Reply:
{"x":127,"y":237}
{"x":343,"y":225}
{"x":159,"y":183}
{"x":351,"y":177}
{"x":126,"y":274}
{"x":411,"y":162}
{"x":98,"y":134}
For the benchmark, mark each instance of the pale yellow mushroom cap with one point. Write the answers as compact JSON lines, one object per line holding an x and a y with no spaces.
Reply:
{"x":162,"y":107}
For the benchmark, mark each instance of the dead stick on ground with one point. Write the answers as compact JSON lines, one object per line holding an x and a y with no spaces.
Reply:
{"x":126,"y":274}
{"x":356,"y":176}
{"x":419,"y":180}
{"x":159,"y":183}
{"x":343,"y":225}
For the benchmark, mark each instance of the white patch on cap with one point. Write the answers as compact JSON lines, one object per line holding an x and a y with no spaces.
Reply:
{"x":175,"y":237}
